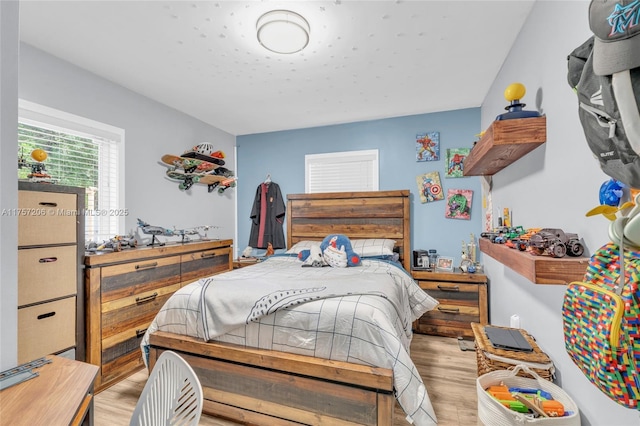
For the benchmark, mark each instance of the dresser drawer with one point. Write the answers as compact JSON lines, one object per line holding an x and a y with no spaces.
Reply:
{"x":205,"y":263}
{"x":132,"y":279}
{"x":47,"y":273}
{"x":46,"y":218}
{"x":46,"y":328}
{"x":130,"y":312}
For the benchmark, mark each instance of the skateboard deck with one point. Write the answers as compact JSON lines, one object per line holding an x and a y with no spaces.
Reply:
{"x":188,"y":179}
{"x":223,"y":171}
{"x":203,"y":157}
{"x":189,"y":165}
{"x":229,"y":182}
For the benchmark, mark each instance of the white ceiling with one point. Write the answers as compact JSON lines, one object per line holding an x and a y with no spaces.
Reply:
{"x":365,"y":59}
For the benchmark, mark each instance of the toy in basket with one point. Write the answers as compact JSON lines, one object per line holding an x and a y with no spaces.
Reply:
{"x":490,"y":358}
{"x":533,"y":400}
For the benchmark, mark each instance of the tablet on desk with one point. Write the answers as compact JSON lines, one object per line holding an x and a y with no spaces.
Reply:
{"x":509,"y":339}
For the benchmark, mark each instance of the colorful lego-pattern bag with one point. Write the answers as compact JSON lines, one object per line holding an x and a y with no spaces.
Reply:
{"x":601,"y":321}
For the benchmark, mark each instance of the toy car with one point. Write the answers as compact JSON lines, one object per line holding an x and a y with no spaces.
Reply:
{"x":523,"y":240}
{"x":497,"y":235}
{"x":556,"y":242}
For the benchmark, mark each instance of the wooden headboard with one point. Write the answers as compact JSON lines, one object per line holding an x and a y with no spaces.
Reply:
{"x":358,"y":215}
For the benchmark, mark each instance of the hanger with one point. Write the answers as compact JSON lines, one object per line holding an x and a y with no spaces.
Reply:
{"x":268,"y":179}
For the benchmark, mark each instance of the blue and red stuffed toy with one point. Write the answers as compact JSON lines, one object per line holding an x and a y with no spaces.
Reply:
{"x":335,"y":250}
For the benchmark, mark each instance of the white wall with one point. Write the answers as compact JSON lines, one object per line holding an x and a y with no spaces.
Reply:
{"x":9,"y":42}
{"x":554,"y":186}
{"x":151,"y":130}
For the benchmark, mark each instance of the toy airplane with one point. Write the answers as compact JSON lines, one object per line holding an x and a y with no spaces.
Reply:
{"x":154,"y":231}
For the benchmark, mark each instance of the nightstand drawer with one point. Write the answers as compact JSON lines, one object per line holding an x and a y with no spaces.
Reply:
{"x":45,"y":329}
{"x":463,"y":300}
{"x":445,"y":291}
{"x":47,"y":273}
{"x":46,"y":218}
{"x":449,"y":320}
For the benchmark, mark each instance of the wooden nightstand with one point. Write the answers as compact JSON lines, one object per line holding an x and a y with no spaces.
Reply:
{"x":463,"y":300}
{"x":242,"y":262}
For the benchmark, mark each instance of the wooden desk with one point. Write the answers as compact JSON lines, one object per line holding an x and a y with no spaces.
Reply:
{"x":61,"y":395}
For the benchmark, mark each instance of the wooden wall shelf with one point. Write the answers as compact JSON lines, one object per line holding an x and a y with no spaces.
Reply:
{"x":504,"y":142}
{"x":537,"y":269}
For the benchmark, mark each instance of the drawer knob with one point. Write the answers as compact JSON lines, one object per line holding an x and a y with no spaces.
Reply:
{"x":454,"y":288}
{"x":449,"y":310}
{"x":147,"y":265}
{"x":47,"y":315}
{"x":48,"y":204}
{"x":203,"y":255}
{"x":145,"y":299}
{"x":48,"y":259}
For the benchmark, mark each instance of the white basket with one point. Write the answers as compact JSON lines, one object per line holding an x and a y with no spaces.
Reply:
{"x":492,"y":413}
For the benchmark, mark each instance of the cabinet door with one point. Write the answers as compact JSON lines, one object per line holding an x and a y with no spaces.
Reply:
{"x":46,"y":218}
{"x":46,"y":273}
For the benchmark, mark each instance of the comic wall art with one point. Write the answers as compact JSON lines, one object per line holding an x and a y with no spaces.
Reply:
{"x":455,"y":162}
{"x":458,"y":204}
{"x":429,"y":187}
{"x":428,"y":146}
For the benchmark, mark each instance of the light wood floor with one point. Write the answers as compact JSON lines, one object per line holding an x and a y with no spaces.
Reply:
{"x":449,"y":375}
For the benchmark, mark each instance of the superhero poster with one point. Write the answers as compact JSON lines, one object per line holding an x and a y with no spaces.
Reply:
{"x":455,"y":162}
{"x":429,"y":187}
{"x":458,"y":204}
{"x":428,"y":146}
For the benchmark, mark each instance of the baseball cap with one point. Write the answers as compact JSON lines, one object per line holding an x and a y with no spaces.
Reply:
{"x":616,"y":26}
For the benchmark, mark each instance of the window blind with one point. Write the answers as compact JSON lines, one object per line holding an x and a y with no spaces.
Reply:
{"x":76,"y":157}
{"x":342,"y":171}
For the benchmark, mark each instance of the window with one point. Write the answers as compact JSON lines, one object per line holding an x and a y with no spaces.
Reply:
{"x":341,"y":171}
{"x":82,"y":153}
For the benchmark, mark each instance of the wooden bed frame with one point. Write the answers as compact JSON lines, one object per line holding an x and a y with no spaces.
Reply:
{"x":263,"y":387}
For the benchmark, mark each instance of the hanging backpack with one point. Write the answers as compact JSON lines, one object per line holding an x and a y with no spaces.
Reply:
{"x":608,"y":112}
{"x":601,"y":324}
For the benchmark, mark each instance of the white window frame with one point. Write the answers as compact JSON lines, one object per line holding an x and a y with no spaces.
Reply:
{"x":342,"y":171}
{"x":54,"y":119}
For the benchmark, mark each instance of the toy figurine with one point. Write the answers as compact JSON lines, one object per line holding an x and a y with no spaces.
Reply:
{"x":513,"y":93}
{"x":38,"y":169}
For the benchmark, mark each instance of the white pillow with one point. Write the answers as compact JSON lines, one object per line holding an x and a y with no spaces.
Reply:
{"x":373,"y":247}
{"x":302,"y":245}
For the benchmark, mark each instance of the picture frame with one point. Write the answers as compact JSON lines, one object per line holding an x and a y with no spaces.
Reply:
{"x":454,"y":166}
{"x":428,"y":146}
{"x":444,"y":263}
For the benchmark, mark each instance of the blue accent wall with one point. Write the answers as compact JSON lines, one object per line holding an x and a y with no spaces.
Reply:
{"x":281,"y":154}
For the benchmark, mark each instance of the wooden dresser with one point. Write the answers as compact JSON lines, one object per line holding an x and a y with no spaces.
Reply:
{"x":50,"y":284}
{"x":463,"y":300}
{"x":125,"y":291}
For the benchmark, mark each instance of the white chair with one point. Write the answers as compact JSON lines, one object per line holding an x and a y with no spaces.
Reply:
{"x":171,"y":396}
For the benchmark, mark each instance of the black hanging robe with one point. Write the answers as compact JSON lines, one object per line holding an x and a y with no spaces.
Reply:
{"x":267,"y":216}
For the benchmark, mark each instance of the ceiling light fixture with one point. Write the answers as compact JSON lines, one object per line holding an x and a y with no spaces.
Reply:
{"x":283,"y":31}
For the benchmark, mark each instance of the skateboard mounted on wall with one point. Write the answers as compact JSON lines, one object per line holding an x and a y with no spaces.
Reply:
{"x":189,"y":165}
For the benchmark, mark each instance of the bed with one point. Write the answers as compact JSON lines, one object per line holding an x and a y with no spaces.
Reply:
{"x":285,"y":356}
